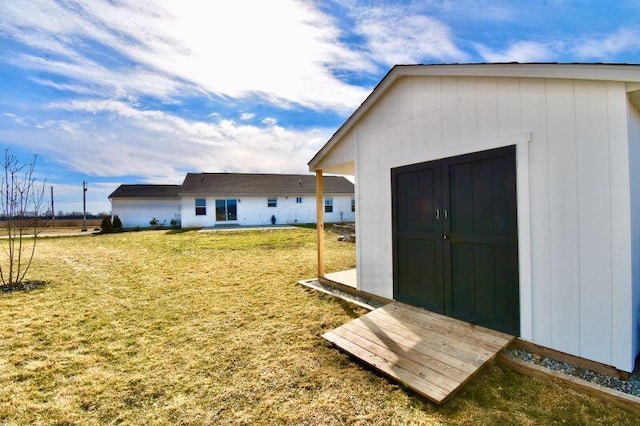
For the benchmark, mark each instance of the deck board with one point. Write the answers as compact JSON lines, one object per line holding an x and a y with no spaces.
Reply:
{"x":432,"y":354}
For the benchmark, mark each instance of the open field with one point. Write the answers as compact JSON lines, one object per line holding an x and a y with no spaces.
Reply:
{"x":60,"y":227}
{"x":162,"y":327}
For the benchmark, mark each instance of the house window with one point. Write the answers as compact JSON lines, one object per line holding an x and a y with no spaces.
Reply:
{"x":298,"y":200}
{"x":272,"y":202}
{"x":353,"y":204}
{"x":328,"y":204}
{"x":201,"y":206}
{"x":226,"y":210}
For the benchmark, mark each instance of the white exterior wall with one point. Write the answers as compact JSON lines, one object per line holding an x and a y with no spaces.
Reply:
{"x":254,"y":211}
{"x":573,"y":194}
{"x":634,"y":156}
{"x":139,"y":211}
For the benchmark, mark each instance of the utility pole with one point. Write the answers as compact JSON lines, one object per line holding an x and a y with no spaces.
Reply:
{"x":84,"y":206}
{"x":53,"y":211}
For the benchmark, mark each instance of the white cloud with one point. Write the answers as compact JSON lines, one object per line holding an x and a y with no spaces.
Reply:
{"x":247,"y":116}
{"x":102,"y":80}
{"x":521,"y":51}
{"x":409,"y":39}
{"x":112,"y":138}
{"x":75,"y":88}
{"x":608,"y":46}
{"x":270,"y":121}
{"x":285,"y":51}
{"x":603,"y":48}
{"x":400,"y":35}
{"x":15,"y":118}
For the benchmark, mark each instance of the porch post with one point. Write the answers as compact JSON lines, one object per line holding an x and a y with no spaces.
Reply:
{"x":320,"y":221}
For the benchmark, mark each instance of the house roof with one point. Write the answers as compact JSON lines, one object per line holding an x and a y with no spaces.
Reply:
{"x":628,"y":73}
{"x":146,"y":191}
{"x":248,"y":184}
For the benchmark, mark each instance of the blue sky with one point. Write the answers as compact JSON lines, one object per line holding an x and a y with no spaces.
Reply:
{"x":131,"y":91}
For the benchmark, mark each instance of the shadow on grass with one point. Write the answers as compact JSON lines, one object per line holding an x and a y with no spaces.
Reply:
{"x":26,"y":285}
{"x":304,"y":225}
{"x":353,"y":311}
{"x":179,"y":231}
{"x":327,"y":226}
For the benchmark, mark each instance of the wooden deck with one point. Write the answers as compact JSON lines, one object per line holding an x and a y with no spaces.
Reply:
{"x":432,"y":354}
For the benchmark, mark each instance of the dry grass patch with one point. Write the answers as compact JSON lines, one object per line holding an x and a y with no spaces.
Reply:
{"x":205,"y":328}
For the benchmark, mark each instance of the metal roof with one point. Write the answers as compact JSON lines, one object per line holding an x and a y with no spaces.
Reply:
{"x":251,"y":184}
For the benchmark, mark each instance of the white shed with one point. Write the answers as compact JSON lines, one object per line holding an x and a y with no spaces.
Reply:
{"x":506,"y":195}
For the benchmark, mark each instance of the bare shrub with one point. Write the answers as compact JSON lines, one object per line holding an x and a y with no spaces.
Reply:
{"x":21,"y":198}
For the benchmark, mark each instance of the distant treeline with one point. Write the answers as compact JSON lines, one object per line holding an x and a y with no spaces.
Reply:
{"x":77,"y":215}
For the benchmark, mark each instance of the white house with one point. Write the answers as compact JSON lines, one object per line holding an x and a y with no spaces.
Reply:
{"x":243,"y":199}
{"x":506,"y":195}
{"x":137,"y":205}
{"x":215,"y":199}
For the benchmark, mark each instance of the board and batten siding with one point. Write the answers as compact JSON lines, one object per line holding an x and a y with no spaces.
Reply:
{"x":574,"y":183}
{"x":139,"y":212}
{"x":253,"y":211}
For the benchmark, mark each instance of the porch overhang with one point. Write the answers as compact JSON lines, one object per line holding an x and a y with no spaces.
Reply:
{"x":344,"y":169}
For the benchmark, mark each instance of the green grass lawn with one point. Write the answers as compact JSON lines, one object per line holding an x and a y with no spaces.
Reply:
{"x":209,"y":328}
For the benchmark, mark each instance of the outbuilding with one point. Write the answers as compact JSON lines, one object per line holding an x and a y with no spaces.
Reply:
{"x":505,"y":195}
{"x":138,"y":204}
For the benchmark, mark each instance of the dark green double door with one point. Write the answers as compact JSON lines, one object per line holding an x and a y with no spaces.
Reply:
{"x":455,"y":238}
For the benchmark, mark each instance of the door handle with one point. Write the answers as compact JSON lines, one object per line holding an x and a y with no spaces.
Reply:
{"x":445,"y":237}
{"x":446,"y":213}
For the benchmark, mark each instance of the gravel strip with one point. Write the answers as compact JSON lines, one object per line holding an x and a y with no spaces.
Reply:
{"x":631,"y":386}
{"x":365,"y":302}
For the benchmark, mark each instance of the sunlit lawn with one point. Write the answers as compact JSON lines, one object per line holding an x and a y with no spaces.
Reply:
{"x":209,"y":328}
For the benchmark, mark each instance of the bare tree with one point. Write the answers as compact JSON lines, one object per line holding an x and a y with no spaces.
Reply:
{"x":21,"y":199}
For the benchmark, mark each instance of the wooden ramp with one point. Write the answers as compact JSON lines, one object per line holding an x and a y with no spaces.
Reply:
{"x":432,"y":354}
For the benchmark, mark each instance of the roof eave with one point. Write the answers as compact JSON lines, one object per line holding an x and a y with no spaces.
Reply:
{"x":137,"y":197}
{"x":377,"y":91}
{"x":587,"y":71}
